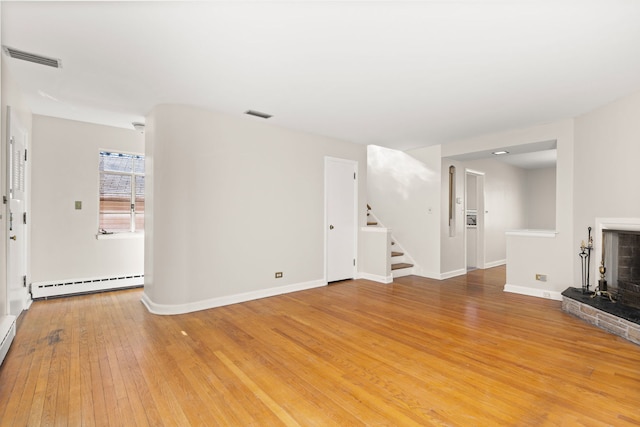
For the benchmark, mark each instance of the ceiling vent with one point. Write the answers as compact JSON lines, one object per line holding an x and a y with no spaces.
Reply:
{"x":32,"y":57}
{"x":258,"y":114}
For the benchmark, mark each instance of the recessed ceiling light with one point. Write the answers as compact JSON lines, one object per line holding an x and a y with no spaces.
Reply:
{"x":258,"y":114}
{"x":499,"y":153}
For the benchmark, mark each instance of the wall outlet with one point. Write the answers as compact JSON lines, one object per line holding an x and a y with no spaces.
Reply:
{"x":278,"y":274}
{"x":541,"y":277}
{"x":546,"y":295}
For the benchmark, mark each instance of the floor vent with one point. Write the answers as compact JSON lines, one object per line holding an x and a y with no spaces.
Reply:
{"x":79,"y":286}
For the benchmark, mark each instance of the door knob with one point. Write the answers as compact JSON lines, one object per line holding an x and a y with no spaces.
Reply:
{"x":330,"y":228}
{"x":13,"y":237}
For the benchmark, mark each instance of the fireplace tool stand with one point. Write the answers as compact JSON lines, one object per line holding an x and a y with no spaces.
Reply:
{"x":585,"y":262}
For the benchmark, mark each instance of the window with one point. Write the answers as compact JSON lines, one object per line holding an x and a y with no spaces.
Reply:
{"x":121,"y":192}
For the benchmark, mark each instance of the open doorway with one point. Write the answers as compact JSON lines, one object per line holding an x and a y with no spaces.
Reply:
{"x":474,"y":219}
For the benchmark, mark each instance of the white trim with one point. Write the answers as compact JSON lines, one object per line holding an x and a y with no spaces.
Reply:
{"x":533,"y":292}
{"x":375,"y":278}
{"x":402,"y":272}
{"x":453,"y":273}
{"x":474,"y":172}
{"x":168,"y":309}
{"x":78,"y":286}
{"x":374,"y":229}
{"x":123,"y":235}
{"x":495,"y":263}
{"x":7,"y":334}
{"x":532,"y":233}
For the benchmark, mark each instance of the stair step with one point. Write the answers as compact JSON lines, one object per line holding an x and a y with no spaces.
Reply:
{"x":393,"y":253}
{"x":372,"y":223}
{"x":400,"y":266}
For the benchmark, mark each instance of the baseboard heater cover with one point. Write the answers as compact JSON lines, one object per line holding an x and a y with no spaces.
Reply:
{"x":80,"y":286}
{"x":7,"y":333}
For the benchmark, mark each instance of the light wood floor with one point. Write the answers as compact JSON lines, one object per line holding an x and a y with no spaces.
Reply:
{"x":415,"y":352}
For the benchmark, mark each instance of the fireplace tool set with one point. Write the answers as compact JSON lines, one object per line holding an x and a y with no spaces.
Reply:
{"x":585,"y":260}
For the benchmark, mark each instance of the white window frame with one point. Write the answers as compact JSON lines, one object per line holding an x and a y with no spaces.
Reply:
{"x":132,"y":218}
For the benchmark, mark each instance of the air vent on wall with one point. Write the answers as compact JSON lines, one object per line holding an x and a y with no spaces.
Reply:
{"x":32,"y":57}
{"x":258,"y":114}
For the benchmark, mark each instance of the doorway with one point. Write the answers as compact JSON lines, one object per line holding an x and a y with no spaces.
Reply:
{"x":341,"y":221}
{"x":474,"y":219}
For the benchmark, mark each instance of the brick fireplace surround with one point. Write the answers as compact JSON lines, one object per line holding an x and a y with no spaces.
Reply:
{"x":615,"y":317}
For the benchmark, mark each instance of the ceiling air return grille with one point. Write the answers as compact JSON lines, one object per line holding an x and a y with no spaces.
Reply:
{"x":258,"y":114}
{"x":32,"y":57}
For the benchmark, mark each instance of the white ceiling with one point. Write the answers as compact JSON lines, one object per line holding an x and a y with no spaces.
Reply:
{"x":535,"y":155}
{"x":396,"y":74}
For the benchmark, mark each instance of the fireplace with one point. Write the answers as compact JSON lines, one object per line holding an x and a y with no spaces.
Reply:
{"x":615,"y":306}
{"x":621,"y":258}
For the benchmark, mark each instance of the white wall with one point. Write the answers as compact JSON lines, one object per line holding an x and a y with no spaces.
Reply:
{"x":11,"y":96}
{"x":607,"y":155}
{"x":540,"y":194}
{"x":65,"y":169}
{"x":232,"y":201}
{"x":404,"y":193}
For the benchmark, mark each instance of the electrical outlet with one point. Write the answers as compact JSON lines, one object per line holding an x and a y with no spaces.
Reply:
{"x":278,"y":274}
{"x":546,"y":295}
{"x":541,"y":277}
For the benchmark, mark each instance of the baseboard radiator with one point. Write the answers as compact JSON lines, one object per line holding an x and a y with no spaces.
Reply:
{"x":7,"y":333}
{"x":83,"y":286}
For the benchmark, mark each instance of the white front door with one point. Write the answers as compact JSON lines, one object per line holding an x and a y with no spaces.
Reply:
{"x":341,"y":218}
{"x":17,"y":292}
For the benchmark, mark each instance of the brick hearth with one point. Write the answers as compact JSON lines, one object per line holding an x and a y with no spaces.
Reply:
{"x":612,"y":317}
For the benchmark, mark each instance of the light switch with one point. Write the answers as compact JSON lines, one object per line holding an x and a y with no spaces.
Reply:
{"x":78,"y":204}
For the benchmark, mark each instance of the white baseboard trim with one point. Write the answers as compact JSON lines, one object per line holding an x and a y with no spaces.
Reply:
{"x":55,"y":288}
{"x":375,"y":278}
{"x":402,"y":272}
{"x":495,"y":263}
{"x":533,"y":292}
{"x":454,"y":273}
{"x":168,"y":309}
{"x":7,"y":333}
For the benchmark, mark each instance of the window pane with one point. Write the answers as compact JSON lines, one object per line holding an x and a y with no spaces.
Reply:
{"x":115,"y":222}
{"x":139,"y":203}
{"x":116,"y":162}
{"x":139,"y":221}
{"x":115,"y":202}
{"x":138,"y":164}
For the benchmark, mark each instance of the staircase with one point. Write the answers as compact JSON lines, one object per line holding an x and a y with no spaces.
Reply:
{"x":401,"y":264}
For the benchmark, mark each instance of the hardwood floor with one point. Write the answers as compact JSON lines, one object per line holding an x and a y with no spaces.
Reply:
{"x":415,"y":352}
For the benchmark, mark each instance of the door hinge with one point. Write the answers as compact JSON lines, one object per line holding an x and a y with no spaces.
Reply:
{"x":4,"y":199}
{"x":354,"y":175}
{"x":24,"y":217}
{"x":25,"y":155}
{"x":24,"y":281}
{"x":354,"y":262}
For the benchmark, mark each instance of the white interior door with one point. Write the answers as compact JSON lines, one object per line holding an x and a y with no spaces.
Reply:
{"x":341,"y":218}
{"x":17,"y":292}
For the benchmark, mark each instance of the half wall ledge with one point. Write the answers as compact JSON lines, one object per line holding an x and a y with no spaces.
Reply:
{"x":617,"y":319}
